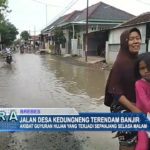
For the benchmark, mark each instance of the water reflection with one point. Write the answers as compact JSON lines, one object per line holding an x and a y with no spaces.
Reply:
{"x":47,"y":81}
{"x":79,"y":80}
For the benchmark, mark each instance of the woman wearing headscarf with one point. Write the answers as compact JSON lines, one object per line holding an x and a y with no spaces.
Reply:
{"x":120,"y":87}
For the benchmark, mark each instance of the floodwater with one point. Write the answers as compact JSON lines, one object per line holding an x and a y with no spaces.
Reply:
{"x":46,"y":81}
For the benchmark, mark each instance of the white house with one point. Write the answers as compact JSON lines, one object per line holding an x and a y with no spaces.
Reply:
{"x":142,"y":22}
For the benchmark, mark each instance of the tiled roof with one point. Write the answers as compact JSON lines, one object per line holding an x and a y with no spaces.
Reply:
{"x":143,"y":18}
{"x":90,"y":10}
{"x":99,"y":11}
{"x":104,"y":11}
{"x":75,"y":15}
{"x":66,"y":18}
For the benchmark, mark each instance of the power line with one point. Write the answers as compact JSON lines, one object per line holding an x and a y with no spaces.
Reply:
{"x":60,"y":13}
{"x":47,"y":3}
{"x":63,"y":11}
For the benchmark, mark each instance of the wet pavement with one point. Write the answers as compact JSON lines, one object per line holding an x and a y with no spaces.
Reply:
{"x":47,"y":81}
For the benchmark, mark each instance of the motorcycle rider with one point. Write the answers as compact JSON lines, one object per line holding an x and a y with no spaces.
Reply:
{"x":8,"y":55}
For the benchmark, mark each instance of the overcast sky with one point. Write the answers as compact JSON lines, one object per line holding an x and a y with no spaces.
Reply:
{"x":31,"y":15}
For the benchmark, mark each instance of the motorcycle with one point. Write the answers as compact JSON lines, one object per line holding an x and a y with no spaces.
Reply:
{"x":21,"y":50}
{"x":9,"y":59}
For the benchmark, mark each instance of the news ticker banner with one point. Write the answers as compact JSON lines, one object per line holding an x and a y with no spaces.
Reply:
{"x":68,"y":119}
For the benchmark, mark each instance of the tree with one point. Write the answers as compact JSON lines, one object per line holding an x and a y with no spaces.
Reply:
{"x":59,"y":38}
{"x":3,"y":9}
{"x":25,"y":35}
{"x":8,"y":33}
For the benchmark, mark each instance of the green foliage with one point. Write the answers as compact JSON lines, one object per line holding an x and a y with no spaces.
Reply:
{"x":3,"y":3}
{"x":3,"y":9}
{"x":59,"y":37}
{"x":8,"y":32}
{"x":25,"y":35}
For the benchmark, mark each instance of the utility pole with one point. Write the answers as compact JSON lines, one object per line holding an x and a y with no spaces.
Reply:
{"x":86,"y":38}
{"x":46,"y":6}
{"x":34,"y":36}
{"x":46,"y":12}
{"x":1,"y":42}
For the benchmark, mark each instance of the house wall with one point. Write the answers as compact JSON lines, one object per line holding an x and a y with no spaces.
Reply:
{"x":74,"y":50}
{"x":63,"y":50}
{"x":92,"y":43}
{"x":81,"y":49}
{"x":80,"y":44}
{"x":113,"y":43}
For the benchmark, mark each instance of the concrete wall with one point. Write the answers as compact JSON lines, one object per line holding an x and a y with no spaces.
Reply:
{"x":74,"y":49}
{"x":63,"y":50}
{"x":66,"y":34}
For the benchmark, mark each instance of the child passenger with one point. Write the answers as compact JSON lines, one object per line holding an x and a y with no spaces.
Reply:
{"x":142,"y":88}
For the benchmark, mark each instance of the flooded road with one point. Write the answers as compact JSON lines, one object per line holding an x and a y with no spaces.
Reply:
{"x":49,"y":82}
